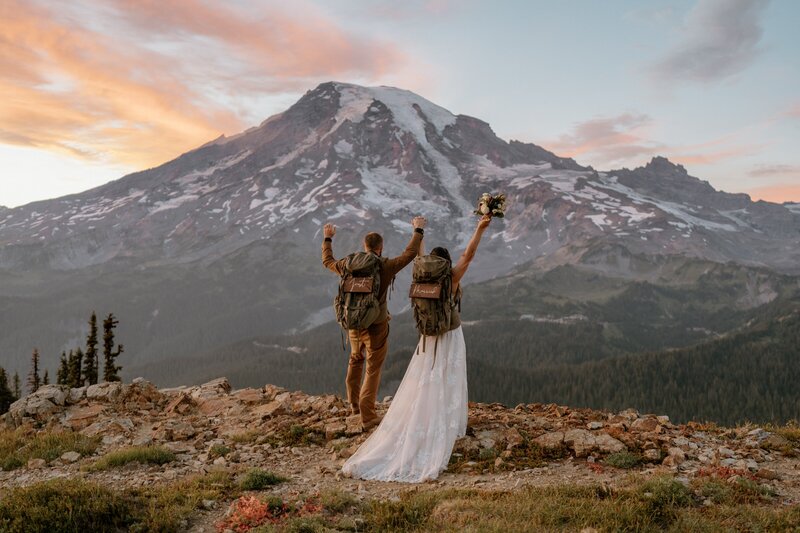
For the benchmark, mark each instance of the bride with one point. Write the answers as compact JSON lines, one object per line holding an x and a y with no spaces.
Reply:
{"x":414,"y":440}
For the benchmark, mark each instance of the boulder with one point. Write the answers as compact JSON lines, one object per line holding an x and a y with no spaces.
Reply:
{"x":644,"y":425}
{"x":57,"y":394}
{"x":273,"y":408}
{"x":334,"y":429}
{"x":76,"y":395}
{"x":78,"y":418}
{"x":215,"y":387}
{"x":675,"y":456}
{"x":583,"y":442}
{"x":181,"y":403}
{"x":249,"y":396}
{"x":107,"y":391}
{"x":70,"y":457}
{"x":34,"y":464}
{"x":552,"y":440}
{"x":33,"y":406}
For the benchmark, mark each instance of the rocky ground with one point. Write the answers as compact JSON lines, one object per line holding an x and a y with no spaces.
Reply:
{"x":306,"y":438}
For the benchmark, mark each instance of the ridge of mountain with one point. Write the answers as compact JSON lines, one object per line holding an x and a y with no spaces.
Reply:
{"x":231,"y":229}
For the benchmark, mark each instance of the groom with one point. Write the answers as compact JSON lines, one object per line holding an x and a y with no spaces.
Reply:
{"x":375,"y":339}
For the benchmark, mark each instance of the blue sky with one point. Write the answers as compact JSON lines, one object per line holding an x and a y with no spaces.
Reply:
{"x":712,"y":84}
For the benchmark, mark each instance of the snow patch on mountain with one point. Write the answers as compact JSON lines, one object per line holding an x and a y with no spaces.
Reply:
{"x":679,"y":211}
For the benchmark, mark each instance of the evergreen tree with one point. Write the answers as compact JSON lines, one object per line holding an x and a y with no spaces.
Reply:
{"x":46,"y":378}
{"x":17,"y":386}
{"x":111,"y":370}
{"x":6,"y":396}
{"x":90,"y":362}
{"x":62,"y":375}
{"x":34,"y":382}
{"x":75,"y":368}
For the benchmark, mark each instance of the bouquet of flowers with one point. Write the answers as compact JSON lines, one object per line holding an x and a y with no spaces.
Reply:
{"x":494,"y":205}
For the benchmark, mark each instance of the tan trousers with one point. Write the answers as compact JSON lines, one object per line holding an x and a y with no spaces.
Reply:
{"x":373,"y":341}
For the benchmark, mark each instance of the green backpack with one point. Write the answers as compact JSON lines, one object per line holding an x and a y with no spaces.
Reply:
{"x":357,"y":305}
{"x":431,"y":295}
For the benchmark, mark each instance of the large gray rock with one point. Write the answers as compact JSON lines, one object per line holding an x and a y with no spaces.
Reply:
{"x":54,"y":393}
{"x":40,"y":405}
{"x":583,"y":442}
{"x":106,"y":391}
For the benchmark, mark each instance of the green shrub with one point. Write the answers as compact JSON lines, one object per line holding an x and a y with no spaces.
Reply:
{"x":63,"y":505}
{"x":257,"y":479}
{"x":219,"y":450}
{"x":625,"y":460}
{"x":664,"y":495}
{"x":156,"y":455}
{"x":337,"y":501}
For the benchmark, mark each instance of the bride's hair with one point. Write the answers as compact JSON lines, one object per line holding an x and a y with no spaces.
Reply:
{"x":443,"y":253}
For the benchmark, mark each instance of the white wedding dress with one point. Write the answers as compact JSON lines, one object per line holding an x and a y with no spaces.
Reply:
{"x":414,"y":440}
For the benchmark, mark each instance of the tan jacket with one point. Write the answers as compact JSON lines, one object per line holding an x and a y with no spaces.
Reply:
{"x":389,"y":268}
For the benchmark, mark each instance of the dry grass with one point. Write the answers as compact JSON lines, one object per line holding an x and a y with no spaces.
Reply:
{"x":18,"y":447}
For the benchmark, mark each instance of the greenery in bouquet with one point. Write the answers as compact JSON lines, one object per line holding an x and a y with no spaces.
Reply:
{"x":492,"y":204}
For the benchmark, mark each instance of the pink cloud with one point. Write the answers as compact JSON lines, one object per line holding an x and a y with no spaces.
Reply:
{"x":141,"y":82}
{"x":625,"y":140}
{"x":775,"y":171}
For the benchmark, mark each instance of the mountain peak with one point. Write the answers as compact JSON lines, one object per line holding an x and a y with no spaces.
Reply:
{"x":662,"y":164}
{"x":407,"y":107}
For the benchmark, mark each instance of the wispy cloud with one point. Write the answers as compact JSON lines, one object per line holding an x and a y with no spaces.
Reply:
{"x":608,"y":141}
{"x":627,"y":140}
{"x":138,"y":82}
{"x":775,"y":171}
{"x":719,"y":39}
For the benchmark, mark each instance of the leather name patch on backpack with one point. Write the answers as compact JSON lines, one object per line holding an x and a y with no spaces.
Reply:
{"x":357,"y":305}
{"x":425,"y":290}
{"x":363,"y":284}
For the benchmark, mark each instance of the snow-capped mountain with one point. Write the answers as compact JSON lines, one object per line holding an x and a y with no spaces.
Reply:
{"x":375,"y":156}
{"x":232,"y":228}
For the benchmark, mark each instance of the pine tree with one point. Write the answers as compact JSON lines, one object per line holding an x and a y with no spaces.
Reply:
{"x":111,"y":370}
{"x":46,"y":378}
{"x":6,"y":396}
{"x":90,"y":362}
{"x":75,"y":368}
{"x":62,"y":375}
{"x":34,"y":382}
{"x":17,"y":386}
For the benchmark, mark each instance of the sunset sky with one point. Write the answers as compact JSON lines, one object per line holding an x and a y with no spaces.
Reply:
{"x":92,"y":90}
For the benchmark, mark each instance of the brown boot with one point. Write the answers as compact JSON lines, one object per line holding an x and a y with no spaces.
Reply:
{"x":371,"y":423}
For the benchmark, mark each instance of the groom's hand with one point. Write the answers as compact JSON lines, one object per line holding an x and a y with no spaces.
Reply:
{"x":329,"y":230}
{"x":419,"y":222}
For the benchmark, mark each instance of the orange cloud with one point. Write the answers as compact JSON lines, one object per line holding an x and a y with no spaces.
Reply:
{"x":787,"y":192}
{"x":140,"y":82}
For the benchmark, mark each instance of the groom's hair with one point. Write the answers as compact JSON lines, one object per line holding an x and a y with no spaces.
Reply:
{"x":443,"y":253}
{"x":373,"y":241}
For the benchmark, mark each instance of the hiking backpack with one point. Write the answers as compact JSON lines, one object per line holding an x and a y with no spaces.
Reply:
{"x":431,"y":294}
{"x":357,"y":305}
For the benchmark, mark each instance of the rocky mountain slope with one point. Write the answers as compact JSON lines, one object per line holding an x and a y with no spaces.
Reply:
{"x":231,"y":230}
{"x":212,"y":428}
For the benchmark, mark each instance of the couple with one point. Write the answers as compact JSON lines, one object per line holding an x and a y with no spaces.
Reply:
{"x":414,"y":440}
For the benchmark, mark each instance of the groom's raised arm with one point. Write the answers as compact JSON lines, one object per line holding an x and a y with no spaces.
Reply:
{"x":395,"y":265}
{"x":329,"y":230}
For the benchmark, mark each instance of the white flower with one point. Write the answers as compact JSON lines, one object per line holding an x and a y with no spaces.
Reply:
{"x":484,"y":209}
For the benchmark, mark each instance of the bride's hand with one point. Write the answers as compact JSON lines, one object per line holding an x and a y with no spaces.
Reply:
{"x":483,"y":223}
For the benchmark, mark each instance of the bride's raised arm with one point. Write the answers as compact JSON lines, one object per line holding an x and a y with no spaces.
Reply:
{"x":466,"y":258}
